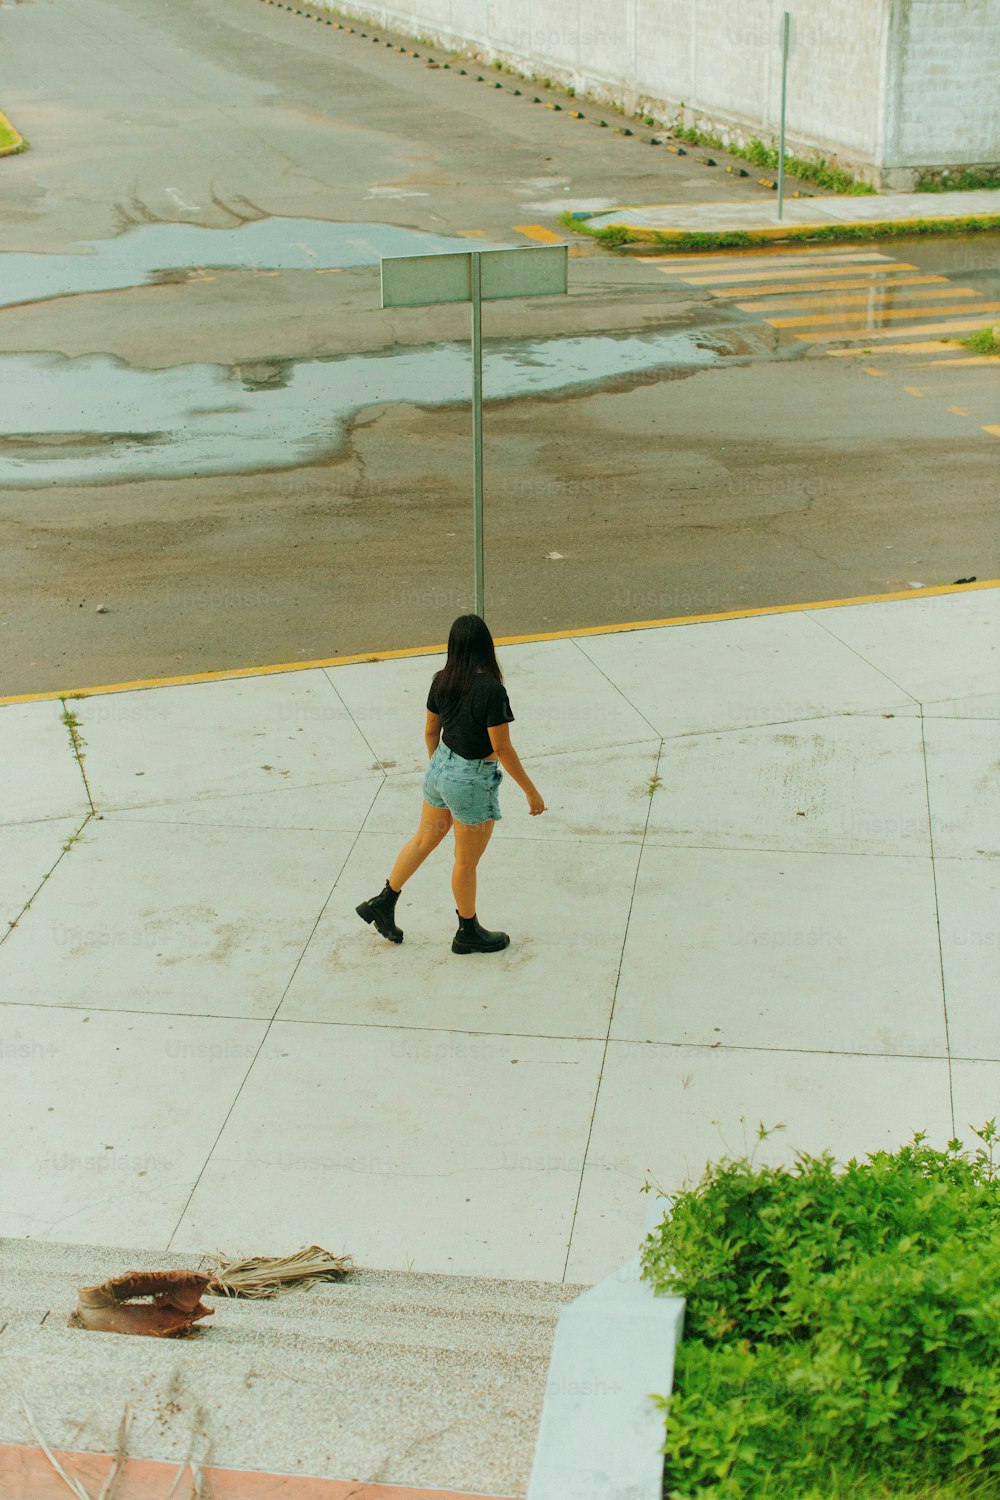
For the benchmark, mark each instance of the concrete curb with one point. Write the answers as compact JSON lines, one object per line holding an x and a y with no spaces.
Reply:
{"x":735,"y":236}
{"x":267,"y":669}
{"x":601,"y":1434}
{"x":15,"y":146}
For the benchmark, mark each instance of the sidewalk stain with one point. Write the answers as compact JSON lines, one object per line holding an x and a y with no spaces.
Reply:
{"x":148,"y":253}
{"x":95,"y":419}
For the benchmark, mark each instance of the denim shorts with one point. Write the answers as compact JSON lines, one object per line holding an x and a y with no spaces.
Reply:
{"x":469,"y":789}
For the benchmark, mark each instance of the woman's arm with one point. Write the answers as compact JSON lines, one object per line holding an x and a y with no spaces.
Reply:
{"x":510,"y":760}
{"x":432,"y":732}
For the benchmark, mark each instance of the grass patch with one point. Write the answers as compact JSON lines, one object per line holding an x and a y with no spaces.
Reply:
{"x":983,"y":341}
{"x":842,"y":1329}
{"x":697,"y":240}
{"x":964,"y":182}
{"x":819,"y":172}
{"x":615,"y":236}
{"x":10,"y":139}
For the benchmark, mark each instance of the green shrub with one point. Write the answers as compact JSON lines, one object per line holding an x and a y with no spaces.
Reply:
{"x":936,"y":181}
{"x":842,"y":1330}
{"x":983,"y":341}
{"x":10,"y":140}
{"x":613,"y":235}
{"x":819,"y":172}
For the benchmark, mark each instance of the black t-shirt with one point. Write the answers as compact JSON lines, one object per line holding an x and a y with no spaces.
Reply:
{"x":465,"y":720}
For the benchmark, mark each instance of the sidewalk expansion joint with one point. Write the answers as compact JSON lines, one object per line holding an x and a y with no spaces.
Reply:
{"x":78,"y":743}
{"x":937,"y":918}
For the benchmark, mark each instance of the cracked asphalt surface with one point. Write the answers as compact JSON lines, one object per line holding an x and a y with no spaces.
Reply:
{"x":775,"y":475}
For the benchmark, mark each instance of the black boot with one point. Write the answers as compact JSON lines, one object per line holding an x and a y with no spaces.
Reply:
{"x":471,"y":938}
{"x":381,"y":910}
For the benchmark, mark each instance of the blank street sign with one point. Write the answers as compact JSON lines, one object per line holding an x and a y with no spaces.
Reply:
{"x":419,"y":280}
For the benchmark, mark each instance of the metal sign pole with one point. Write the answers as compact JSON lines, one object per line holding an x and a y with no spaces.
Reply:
{"x":477,"y":423}
{"x":785,"y":25}
{"x":469,"y":276}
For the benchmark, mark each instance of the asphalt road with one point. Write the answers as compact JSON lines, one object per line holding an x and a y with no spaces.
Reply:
{"x":246,"y":461}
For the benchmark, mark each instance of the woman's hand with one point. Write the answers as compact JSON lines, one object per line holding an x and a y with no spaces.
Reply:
{"x":535,"y":803}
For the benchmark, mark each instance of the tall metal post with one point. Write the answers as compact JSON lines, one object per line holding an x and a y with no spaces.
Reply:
{"x":785,"y":25}
{"x":477,"y":424}
{"x":422,"y":280}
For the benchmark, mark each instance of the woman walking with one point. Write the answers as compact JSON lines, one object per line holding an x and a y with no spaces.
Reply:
{"x":467,"y":735}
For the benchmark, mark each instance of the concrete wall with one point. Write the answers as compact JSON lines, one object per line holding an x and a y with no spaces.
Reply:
{"x":873,"y":84}
{"x":943,"y":101}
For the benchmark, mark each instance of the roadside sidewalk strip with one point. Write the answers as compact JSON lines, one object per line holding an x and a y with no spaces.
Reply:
{"x":838,"y":217}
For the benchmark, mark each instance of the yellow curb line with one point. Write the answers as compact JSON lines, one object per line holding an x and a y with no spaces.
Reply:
{"x":234,"y":673}
{"x":16,"y":145}
{"x":645,"y":234}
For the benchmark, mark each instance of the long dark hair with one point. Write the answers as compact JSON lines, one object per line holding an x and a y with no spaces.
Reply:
{"x":470,"y":647}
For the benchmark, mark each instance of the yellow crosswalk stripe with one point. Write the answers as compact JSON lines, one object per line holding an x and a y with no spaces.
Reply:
{"x":995,"y":430}
{"x":860,"y":300}
{"x":798,"y":273}
{"x":815,"y":320}
{"x":929,"y":346}
{"x":751,"y":259}
{"x":874,"y":335}
{"x":885,"y":308}
{"x":826,"y":286}
{"x":963,"y":359}
{"x":758,"y":252}
{"x":539,"y":232}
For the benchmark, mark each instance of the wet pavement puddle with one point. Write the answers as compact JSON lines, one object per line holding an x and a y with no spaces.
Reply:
{"x":95,"y":419}
{"x":141,"y":256}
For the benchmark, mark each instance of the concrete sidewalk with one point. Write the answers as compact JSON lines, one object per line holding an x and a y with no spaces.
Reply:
{"x":760,"y":220}
{"x":766,"y":888}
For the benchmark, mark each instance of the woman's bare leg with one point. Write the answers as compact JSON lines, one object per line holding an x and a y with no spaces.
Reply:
{"x":470,"y":842}
{"x":434,"y":824}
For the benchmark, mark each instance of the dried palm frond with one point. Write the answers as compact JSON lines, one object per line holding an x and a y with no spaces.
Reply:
{"x":197,"y":1490}
{"x":72,"y":1484}
{"x":267,"y":1275}
{"x":121,"y":1451}
{"x":112,"y":1308}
